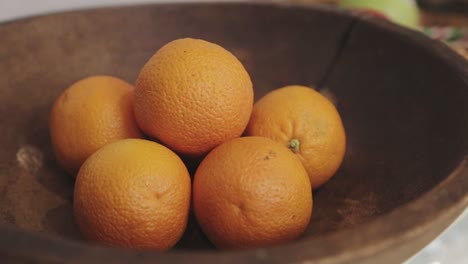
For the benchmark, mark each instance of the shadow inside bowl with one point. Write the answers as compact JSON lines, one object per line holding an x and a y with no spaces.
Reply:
{"x":404,"y":108}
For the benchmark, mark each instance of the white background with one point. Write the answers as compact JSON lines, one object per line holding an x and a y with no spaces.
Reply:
{"x":10,"y":9}
{"x":450,"y":248}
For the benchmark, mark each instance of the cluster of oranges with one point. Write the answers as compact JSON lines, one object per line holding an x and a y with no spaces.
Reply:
{"x":194,"y":99}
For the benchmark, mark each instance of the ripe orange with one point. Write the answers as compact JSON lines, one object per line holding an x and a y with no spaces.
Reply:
{"x":133,"y":193}
{"x":88,"y":115}
{"x":193,"y":95}
{"x":251,"y":192}
{"x":308,"y":123}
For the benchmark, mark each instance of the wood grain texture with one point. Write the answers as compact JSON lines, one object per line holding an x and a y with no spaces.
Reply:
{"x":403,"y":99}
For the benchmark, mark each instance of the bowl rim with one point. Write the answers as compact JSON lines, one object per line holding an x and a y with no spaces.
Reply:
{"x":442,"y":204}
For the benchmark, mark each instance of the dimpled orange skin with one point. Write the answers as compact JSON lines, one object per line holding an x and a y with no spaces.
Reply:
{"x":308,"y":123}
{"x":193,"y":95}
{"x":252,"y":192}
{"x":88,"y":115}
{"x":133,"y":193}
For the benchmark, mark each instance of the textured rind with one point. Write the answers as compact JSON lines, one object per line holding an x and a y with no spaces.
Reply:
{"x":89,"y":114}
{"x":133,"y":193}
{"x":193,"y":95}
{"x":299,"y":112}
{"x":252,"y":192}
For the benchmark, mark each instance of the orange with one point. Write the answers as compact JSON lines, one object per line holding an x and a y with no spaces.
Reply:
{"x":308,"y":123}
{"x":88,"y":115}
{"x":252,"y":192}
{"x":133,"y":193}
{"x":193,"y":95}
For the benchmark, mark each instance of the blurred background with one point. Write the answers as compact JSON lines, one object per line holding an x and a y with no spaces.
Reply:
{"x":445,"y":20}
{"x":442,"y":20}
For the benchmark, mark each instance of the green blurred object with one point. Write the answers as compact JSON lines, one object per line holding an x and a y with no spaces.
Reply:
{"x":403,"y":12}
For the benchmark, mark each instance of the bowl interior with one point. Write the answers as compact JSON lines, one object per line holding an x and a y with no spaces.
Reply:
{"x":402,"y":106}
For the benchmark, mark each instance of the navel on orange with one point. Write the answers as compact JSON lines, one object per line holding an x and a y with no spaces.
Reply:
{"x":308,"y":123}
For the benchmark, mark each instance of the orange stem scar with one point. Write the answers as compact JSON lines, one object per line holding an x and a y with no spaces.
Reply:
{"x":294,"y":145}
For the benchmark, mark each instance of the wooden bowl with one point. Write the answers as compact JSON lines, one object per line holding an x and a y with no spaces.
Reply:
{"x":403,"y":99}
